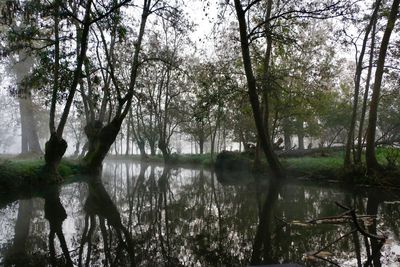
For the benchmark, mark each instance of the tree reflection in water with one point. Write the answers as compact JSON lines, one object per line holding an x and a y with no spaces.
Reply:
{"x":16,"y":255}
{"x":113,"y":232}
{"x":144,"y":215}
{"x":55,"y":213}
{"x":262,"y":246}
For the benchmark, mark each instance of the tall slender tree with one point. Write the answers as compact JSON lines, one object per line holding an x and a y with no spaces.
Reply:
{"x":357,"y":83}
{"x":260,"y":122}
{"x":372,"y":162}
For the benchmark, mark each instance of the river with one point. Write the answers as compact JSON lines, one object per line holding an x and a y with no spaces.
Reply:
{"x":147,"y":215}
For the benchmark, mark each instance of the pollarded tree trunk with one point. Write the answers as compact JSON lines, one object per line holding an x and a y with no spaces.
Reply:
{"x":165,"y":151}
{"x":100,"y":140}
{"x":372,"y":163}
{"x":142,"y":148}
{"x":54,"y":151}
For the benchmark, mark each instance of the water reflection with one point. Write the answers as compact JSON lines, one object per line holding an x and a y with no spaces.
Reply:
{"x":262,"y":246}
{"x":17,"y":252}
{"x":55,"y":214}
{"x":141,"y":215}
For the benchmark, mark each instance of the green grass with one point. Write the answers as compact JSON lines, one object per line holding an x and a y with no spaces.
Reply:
{"x":15,"y":173}
{"x":312,"y":165}
{"x":193,"y":159}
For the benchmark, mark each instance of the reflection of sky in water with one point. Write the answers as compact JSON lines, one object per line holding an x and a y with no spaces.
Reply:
{"x":8,"y":216}
{"x":207,"y":222}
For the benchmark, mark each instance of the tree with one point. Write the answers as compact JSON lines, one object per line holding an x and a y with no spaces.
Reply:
{"x":164,"y":80}
{"x":372,"y":163}
{"x":29,"y":135}
{"x":56,"y":146}
{"x":21,"y":62}
{"x":360,"y":137}
{"x":261,"y":123}
{"x":101,"y":137}
{"x":357,"y":82}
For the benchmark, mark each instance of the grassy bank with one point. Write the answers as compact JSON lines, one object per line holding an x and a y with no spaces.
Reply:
{"x":328,"y":164}
{"x":17,"y":173}
{"x":314,"y":166}
{"x":321,"y":162}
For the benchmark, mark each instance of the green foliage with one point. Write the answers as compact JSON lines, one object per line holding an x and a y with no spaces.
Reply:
{"x":388,"y":156}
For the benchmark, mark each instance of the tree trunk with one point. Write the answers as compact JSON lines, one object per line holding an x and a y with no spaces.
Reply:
{"x":142,"y":148}
{"x":77,"y":147}
{"x":100,"y":140}
{"x":372,"y":163}
{"x":128,"y":136}
{"x":242,"y":141}
{"x":56,"y":146}
{"x":360,"y":136}
{"x":300,"y":137}
{"x":152,"y":145}
{"x":201,"y":146}
{"x":288,"y":141}
{"x":24,"y":130}
{"x":29,"y":136}
{"x":84,"y":150}
{"x":54,"y":151}
{"x":166,"y":153}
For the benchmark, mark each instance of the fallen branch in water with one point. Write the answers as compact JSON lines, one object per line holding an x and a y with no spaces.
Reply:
{"x":349,"y":216}
{"x":381,"y":239}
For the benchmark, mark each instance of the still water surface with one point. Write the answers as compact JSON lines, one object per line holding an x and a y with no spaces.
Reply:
{"x":147,"y":215}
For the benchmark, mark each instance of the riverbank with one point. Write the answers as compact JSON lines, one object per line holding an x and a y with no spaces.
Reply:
{"x":320,"y":164}
{"x":21,"y":178}
{"x":316,"y":164}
